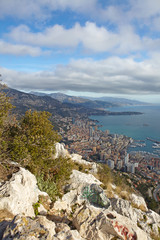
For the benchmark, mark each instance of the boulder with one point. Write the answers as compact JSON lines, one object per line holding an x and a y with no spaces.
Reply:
{"x":124,"y":208}
{"x":95,"y":195}
{"x":68,"y":234}
{"x":152,"y":222}
{"x":79,"y":179}
{"x":99,"y":224}
{"x":29,"y":229}
{"x":138,"y":202}
{"x":20,"y":193}
{"x":78,"y":159}
{"x":60,"y":151}
{"x":83,"y":187}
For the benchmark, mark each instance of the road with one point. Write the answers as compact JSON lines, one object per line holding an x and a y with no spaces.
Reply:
{"x":155,"y":192}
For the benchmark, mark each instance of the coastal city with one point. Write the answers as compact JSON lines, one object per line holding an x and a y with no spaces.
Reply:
{"x":83,"y":136}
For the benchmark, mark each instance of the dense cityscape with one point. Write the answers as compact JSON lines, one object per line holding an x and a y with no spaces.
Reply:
{"x":83,"y":136}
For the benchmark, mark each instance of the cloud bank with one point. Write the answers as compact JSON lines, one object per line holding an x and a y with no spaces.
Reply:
{"x":112,"y":75}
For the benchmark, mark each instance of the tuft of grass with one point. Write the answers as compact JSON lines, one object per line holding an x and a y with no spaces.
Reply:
{"x":154,"y":236}
{"x":141,"y":207}
{"x":107,"y":177}
{"x":35,"y":207}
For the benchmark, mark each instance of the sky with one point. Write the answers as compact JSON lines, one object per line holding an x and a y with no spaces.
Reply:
{"x":82,"y":47}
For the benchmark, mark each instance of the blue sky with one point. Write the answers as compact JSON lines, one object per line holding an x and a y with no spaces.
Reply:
{"x":82,"y":47}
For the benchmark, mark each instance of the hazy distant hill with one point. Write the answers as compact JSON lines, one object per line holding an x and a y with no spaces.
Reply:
{"x":24,"y":101}
{"x":118,"y":101}
{"x":79,"y":101}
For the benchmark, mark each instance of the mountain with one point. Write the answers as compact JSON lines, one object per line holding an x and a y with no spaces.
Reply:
{"x":25,"y":101}
{"x":91,"y":102}
{"x":79,"y":101}
{"x":118,"y":101}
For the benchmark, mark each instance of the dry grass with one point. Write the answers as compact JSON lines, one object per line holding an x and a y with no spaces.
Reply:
{"x":5,"y":215}
{"x":85,"y":168}
{"x":6,"y":170}
{"x":154,"y":236}
{"x":141,"y":207}
{"x":109,"y":191}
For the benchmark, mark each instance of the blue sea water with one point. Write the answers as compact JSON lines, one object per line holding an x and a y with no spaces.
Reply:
{"x":139,"y":127}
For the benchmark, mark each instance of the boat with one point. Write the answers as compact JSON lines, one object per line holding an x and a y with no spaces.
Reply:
{"x":156,"y":145}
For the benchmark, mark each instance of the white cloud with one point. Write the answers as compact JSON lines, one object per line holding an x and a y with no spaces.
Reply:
{"x":41,"y":9}
{"x":19,"y":49}
{"x":90,"y":36}
{"x":113,"y":75}
{"x":144,"y":9}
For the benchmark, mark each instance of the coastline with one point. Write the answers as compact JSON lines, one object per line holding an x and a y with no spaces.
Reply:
{"x":137,"y":126}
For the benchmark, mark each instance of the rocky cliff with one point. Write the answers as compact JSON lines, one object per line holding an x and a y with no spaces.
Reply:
{"x":85,"y":211}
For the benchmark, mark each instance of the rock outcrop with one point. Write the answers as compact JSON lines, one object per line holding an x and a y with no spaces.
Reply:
{"x":100,"y":224}
{"x":60,"y":151}
{"x":78,"y":159}
{"x":20,"y":193}
{"x":29,"y":229}
{"x":88,"y":212}
{"x":83,"y":187}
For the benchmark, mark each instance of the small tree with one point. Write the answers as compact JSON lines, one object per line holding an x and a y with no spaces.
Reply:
{"x":33,"y":141}
{"x":32,"y":144}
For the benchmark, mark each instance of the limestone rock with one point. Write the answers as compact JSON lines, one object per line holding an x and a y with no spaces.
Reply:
{"x":78,"y":159}
{"x":79,"y":179}
{"x":95,"y":195}
{"x":69,"y":235}
{"x":19,"y":193}
{"x":139,"y":202}
{"x":3,"y":226}
{"x":99,"y":224}
{"x":60,"y":151}
{"x":152,"y":222}
{"x":83,"y":187}
{"x":26,"y":228}
{"x":49,"y":225}
{"x":124,"y":208}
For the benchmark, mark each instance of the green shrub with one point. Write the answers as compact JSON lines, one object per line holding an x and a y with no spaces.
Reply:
{"x":47,"y":186}
{"x":35,"y":207}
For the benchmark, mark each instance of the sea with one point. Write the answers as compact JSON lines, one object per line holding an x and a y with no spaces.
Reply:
{"x":139,"y":127}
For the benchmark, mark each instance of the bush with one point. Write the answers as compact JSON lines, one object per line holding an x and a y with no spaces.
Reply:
{"x":104,"y":174}
{"x":32,"y":144}
{"x":47,"y":186}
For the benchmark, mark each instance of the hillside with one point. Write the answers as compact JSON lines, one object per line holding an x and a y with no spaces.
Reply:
{"x":79,"y":101}
{"x":24,"y":101}
{"x":91,"y":102}
{"x":88,"y":210}
{"x":47,"y":193}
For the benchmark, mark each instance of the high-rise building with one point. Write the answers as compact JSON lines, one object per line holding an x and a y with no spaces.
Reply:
{"x":110,"y":163}
{"x":126,"y":159}
{"x":91,"y":131}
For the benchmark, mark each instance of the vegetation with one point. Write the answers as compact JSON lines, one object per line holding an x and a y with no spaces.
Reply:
{"x":35,"y":207}
{"x":151,"y":203}
{"x":5,"y":107}
{"x":33,"y":141}
{"x":30,"y":142}
{"x":108,"y":177}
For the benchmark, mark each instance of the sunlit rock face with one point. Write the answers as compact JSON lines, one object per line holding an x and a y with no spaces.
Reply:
{"x":89,"y":212}
{"x":98,"y":224}
{"x":20,"y":193}
{"x":60,"y":151}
